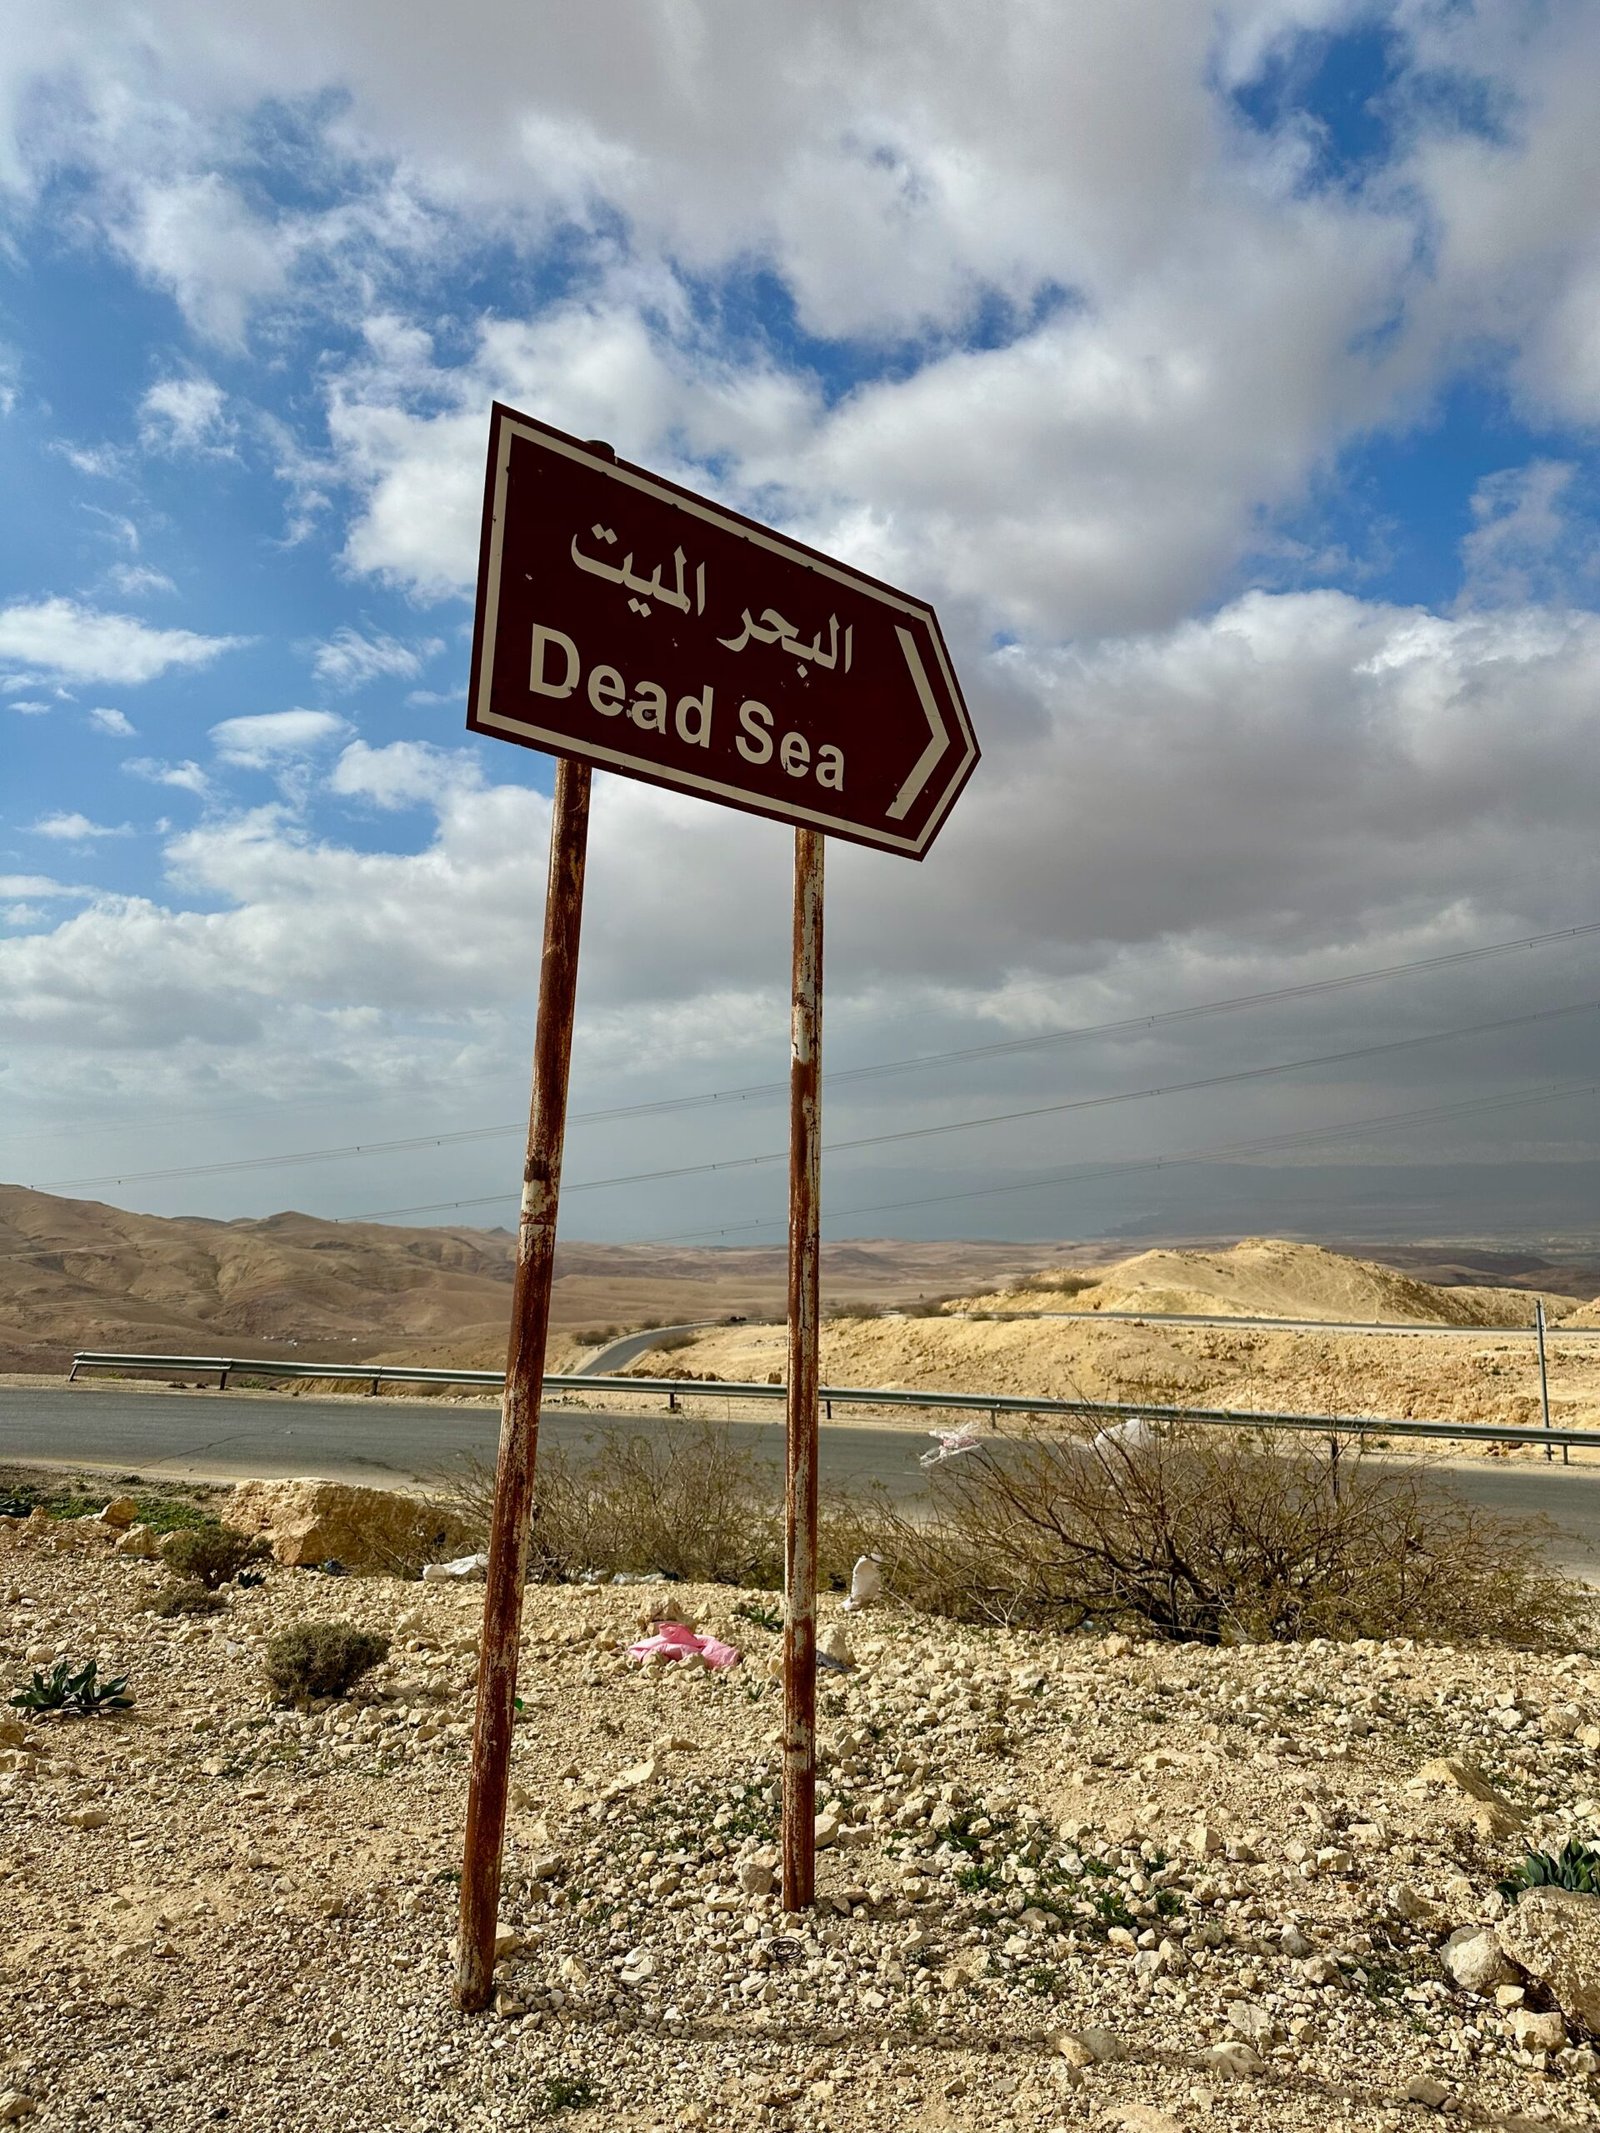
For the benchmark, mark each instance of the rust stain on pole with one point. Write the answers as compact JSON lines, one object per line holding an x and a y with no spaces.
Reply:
{"x":800,"y":1527}
{"x":519,"y":1412}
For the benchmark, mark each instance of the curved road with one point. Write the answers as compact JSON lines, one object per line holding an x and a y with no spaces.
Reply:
{"x":226,"y":1436}
{"x":616,"y":1355}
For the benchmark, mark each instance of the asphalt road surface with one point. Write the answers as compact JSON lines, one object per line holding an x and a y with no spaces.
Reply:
{"x":617,"y":1355}
{"x":224,"y":1436}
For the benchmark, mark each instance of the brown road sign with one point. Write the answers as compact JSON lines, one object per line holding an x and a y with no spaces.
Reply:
{"x":624,"y":621}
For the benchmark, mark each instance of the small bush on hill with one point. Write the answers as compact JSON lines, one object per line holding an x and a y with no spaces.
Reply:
{"x":212,"y":1555}
{"x":186,"y":1597}
{"x":316,"y":1659}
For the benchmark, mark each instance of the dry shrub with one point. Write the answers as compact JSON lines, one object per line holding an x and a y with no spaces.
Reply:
{"x":1206,"y":1535}
{"x":212,"y":1555}
{"x":694,"y":1504}
{"x":316,"y":1659}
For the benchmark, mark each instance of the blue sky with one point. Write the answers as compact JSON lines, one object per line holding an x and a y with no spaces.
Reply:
{"x":1230,"y":387}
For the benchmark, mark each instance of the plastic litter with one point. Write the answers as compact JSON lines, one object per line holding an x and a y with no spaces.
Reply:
{"x":950,"y":1443}
{"x":464,"y":1566}
{"x":675,"y":1641}
{"x":866,"y":1583}
{"x":1137,"y":1434}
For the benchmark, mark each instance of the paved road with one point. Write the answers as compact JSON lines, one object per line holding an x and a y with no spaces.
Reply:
{"x":617,"y":1355}
{"x":225,"y":1435}
{"x":201,"y":1436}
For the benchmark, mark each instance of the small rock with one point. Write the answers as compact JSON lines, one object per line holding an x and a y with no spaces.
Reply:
{"x":1205,"y":1841}
{"x":14,"y":2105}
{"x":88,"y":1817}
{"x":1233,"y":2058}
{"x":1475,"y":1960}
{"x":120,"y":1512}
{"x":638,"y":1965}
{"x":1090,"y":2047}
{"x":1251,"y":2022}
{"x":1145,"y":2118}
{"x":139,"y":1543}
{"x":1294,"y":1942}
{"x":827,"y":1830}
{"x":1423,"y":2089}
{"x":1554,"y":1935}
{"x":756,"y":1876}
{"x":1538,"y":2032}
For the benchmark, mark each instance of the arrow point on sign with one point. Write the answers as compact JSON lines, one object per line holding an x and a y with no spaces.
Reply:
{"x":938,"y":731}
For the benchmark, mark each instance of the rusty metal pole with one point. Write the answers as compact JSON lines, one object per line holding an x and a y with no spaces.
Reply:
{"x":519,"y":1410}
{"x":805,"y":1254}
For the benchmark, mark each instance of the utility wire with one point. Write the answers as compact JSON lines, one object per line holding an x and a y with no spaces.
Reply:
{"x":1310,"y":988}
{"x":1000,"y":1118}
{"x":1079,"y":1175}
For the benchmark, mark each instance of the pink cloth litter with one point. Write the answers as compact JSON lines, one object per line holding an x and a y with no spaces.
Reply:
{"x":675,"y":1640}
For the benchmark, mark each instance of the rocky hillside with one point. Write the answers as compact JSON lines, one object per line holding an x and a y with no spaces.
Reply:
{"x":1064,"y":1881}
{"x":77,"y":1273}
{"x":1268,"y":1277}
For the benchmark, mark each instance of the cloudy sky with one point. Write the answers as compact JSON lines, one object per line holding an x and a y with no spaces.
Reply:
{"x":1228,"y":376}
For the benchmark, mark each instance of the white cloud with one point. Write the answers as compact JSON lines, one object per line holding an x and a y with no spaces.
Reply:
{"x":105,"y":719}
{"x":60,"y":637}
{"x":348,"y":660}
{"x":28,"y":706}
{"x":1527,"y":543}
{"x":186,"y":777}
{"x":263,"y":739}
{"x":135,"y":581}
{"x":186,"y":415}
{"x":403,"y":774}
{"x":77,"y":829}
{"x":42,"y":887}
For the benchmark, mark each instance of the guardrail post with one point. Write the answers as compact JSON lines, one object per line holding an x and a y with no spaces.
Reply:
{"x":222,"y":1382}
{"x":524,"y":1387}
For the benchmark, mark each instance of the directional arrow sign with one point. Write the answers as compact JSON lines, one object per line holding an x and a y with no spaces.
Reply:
{"x":626,"y":622}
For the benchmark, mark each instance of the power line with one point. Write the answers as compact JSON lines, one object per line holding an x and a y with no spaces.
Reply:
{"x":1000,"y":1118}
{"x":1079,"y":1175}
{"x":658,"y":1106}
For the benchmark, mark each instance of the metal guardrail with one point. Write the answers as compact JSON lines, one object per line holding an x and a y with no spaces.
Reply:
{"x":992,"y":1404}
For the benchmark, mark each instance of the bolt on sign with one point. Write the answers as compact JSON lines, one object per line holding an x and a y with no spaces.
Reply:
{"x":627,"y":624}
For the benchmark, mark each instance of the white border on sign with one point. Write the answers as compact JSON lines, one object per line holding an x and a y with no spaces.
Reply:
{"x":564,"y":744}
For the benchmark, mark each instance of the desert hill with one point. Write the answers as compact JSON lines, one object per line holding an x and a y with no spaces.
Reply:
{"x":78,"y":1273}
{"x":1268,"y":1277}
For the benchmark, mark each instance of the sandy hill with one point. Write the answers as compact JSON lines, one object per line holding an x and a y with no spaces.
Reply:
{"x":1267,"y":1277}
{"x":78,"y":1274}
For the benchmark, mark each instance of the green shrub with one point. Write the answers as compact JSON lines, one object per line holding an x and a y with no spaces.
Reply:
{"x":1575,"y":1866}
{"x":321,"y":1659}
{"x":212,"y":1555}
{"x":186,"y":1597}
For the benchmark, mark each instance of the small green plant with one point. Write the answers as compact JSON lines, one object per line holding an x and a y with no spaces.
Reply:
{"x":976,"y":1877}
{"x":760,"y":1617}
{"x":74,"y":1695}
{"x":321,"y":1659}
{"x":1575,"y":1866}
{"x":563,"y":2092}
{"x":212,"y":1555}
{"x":186,"y":1597}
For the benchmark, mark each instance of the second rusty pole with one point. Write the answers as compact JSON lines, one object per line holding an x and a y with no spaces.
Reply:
{"x":510,"y":1521}
{"x":805,"y":1257}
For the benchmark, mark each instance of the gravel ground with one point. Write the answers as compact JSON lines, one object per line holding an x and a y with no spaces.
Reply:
{"x":1068,"y":1882}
